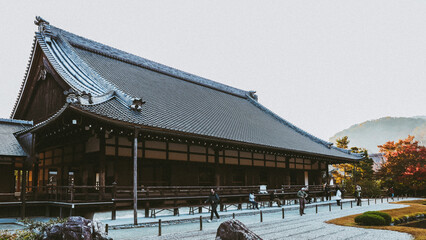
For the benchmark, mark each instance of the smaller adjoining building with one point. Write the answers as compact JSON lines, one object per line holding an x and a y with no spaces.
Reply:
{"x":12,"y":158}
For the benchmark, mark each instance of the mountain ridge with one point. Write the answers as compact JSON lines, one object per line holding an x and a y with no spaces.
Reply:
{"x":375,"y":132}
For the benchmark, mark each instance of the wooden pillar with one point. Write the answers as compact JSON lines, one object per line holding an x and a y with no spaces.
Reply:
{"x":113,"y":196}
{"x":135,"y":177}
{"x":306,"y":175}
{"x":84,"y":179}
{"x":287,"y":167}
{"x":23,"y":191}
{"x":217,"y":170}
{"x":24,"y":174}
{"x":102,"y":165}
{"x":327,"y":174}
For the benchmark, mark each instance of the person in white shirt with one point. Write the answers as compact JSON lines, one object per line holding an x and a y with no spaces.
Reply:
{"x":338,"y":196}
{"x":253,"y":201}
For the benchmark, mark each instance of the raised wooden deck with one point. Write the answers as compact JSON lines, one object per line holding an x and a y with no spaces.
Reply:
{"x":115,"y":197}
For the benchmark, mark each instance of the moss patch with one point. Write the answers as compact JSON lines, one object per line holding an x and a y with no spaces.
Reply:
{"x":416,"y":206}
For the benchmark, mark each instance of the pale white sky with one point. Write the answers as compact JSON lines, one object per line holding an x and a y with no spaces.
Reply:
{"x":322,"y":65}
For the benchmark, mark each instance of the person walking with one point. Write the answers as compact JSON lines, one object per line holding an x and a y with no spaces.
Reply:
{"x":253,"y":201}
{"x":392,"y":193}
{"x":327,"y":192}
{"x":338,"y":196}
{"x":214,"y":200}
{"x":358,"y":195}
{"x":302,"y":195}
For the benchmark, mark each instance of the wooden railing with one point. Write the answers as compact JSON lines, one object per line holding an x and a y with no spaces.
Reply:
{"x":125,"y":193}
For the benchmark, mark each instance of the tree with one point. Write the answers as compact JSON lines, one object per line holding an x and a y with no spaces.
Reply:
{"x":342,"y":172}
{"x":360,"y":173}
{"x":405,"y":167}
{"x":342,"y":142}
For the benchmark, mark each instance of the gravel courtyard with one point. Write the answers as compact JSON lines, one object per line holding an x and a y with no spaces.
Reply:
{"x":310,"y":226}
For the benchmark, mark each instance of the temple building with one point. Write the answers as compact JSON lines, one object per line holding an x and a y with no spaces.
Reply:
{"x":100,"y":115}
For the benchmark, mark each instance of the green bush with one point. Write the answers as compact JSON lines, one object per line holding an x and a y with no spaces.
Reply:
{"x":387,"y":217}
{"x":370,"y":220}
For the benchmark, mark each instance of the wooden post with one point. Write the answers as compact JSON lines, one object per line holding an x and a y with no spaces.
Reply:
{"x":72,"y":192}
{"x":159,"y":227}
{"x":316,"y":208}
{"x":114,"y":193}
{"x":23,"y":191}
{"x":72,"y":210}
{"x":261,"y":216}
{"x":147,"y":209}
{"x":328,"y":177}
{"x":24,"y":175}
{"x":102,"y":165}
{"x":106,"y":228}
{"x":351,"y":203}
{"x":282,"y":212}
{"x":47,"y":212}
{"x":233,"y":215}
{"x":135,"y":179}
{"x":329,"y":207}
{"x":341,"y":205}
{"x":201,"y":223}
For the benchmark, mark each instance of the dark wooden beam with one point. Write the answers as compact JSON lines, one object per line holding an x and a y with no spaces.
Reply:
{"x":135,"y":176}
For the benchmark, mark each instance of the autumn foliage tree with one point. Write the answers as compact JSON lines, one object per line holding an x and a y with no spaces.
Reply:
{"x":350,"y":174}
{"x":405,"y":167}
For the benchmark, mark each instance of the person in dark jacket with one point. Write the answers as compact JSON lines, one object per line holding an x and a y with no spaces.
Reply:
{"x":302,"y":195}
{"x":214,"y":200}
{"x":358,"y":195}
{"x":327,"y":192}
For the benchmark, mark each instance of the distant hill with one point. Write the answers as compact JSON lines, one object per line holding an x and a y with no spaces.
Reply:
{"x":369,"y":134}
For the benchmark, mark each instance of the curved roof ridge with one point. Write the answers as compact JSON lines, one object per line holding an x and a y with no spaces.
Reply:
{"x":16,"y":121}
{"x":123,"y":56}
{"x":92,"y":75}
{"x":295,"y":128}
{"x":40,"y":124}
{"x":27,"y":70}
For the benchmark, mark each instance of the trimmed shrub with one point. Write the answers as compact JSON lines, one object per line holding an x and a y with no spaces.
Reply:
{"x":387,"y":217}
{"x":370,"y":220}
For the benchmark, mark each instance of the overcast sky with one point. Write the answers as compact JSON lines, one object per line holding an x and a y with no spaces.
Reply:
{"x":322,"y":65}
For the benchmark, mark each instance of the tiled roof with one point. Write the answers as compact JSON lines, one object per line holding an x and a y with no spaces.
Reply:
{"x":175,"y":100}
{"x":9,"y":144}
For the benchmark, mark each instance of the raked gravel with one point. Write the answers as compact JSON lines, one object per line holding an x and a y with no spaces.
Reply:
{"x":310,"y":226}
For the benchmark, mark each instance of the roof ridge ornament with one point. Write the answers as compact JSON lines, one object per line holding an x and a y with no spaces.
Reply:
{"x":72,"y":96}
{"x":137,"y":104}
{"x":253,"y":95}
{"x":44,"y":28}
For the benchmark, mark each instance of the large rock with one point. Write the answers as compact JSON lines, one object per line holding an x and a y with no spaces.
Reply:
{"x":235,"y":230}
{"x":77,"y":228}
